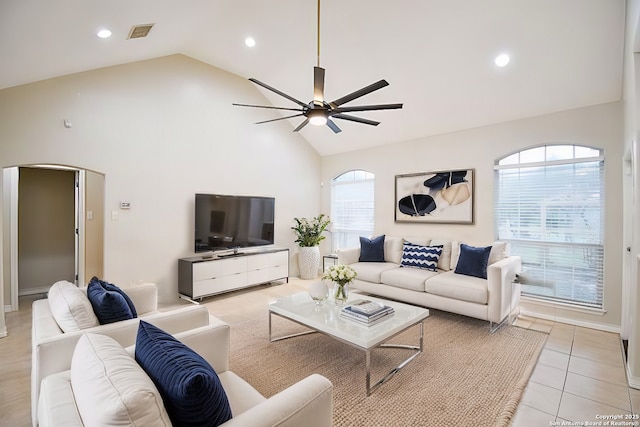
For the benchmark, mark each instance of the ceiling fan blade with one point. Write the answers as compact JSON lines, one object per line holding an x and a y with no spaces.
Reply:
{"x":279,"y":118}
{"x":266,"y":106}
{"x":318,"y":85}
{"x":333,"y":126}
{"x":366,"y":108}
{"x":355,"y":119}
{"x":272,"y":89}
{"x":361,"y":92}
{"x":301,"y":125}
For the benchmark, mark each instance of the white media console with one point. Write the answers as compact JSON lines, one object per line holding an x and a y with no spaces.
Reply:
{"x":199,"y":277}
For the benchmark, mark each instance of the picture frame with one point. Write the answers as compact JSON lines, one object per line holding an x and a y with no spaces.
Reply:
{"x":441,"y":197}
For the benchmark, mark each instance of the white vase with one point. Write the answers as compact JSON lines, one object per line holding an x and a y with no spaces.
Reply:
{"x":309,"y":262}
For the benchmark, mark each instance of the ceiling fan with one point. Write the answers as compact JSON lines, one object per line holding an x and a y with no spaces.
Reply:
{"x":318,"y":111}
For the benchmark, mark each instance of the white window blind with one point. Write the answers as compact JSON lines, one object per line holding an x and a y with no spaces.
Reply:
{"x":352,"y":208}
{"x":549,"y":207}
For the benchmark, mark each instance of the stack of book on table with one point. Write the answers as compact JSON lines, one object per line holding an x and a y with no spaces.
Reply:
{"x":366,"y":311}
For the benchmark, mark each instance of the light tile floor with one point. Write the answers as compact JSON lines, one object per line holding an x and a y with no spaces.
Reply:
{"x":580,"y":378}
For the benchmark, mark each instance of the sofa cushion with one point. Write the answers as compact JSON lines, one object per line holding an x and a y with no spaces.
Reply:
{"x":109,"y":306}
{"x":444,"y":262}
{"x":110,"y":388}
{"x":371,"y":271}
{"x":191,"y":389}
{"x":372,"y":250}
{"x":458,"y":286}
{"x":407,"y":278}
{"x":71,"y":307}
{"x":473,"y":261}
{"x":113,"y":288}
{"x":417,"y":256}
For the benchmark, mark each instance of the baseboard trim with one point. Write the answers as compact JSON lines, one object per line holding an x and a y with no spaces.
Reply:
{"x":569,"y":321}
{"x":33,"y":291}
{"x":3,"y":332}
{"x":634,"y":382}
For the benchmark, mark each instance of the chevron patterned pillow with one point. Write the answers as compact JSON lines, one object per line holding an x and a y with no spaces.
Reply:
{"x":420,"y":256}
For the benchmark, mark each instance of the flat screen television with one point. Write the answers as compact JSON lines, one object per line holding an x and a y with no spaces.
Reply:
{"x":225,"y":222}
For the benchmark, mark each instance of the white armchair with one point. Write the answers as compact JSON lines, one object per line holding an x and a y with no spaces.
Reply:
{"x":308,"y":402}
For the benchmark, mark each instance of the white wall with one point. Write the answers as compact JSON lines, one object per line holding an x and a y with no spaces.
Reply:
{"x":631,"y":97}
{"x":599,"y":126}
{"x":161,"y":130}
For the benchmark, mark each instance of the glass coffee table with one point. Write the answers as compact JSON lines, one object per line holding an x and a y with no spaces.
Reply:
{"x":326,"y":319}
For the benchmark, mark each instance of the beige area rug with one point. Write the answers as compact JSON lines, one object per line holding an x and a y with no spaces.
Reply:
{"x":465,"y":377}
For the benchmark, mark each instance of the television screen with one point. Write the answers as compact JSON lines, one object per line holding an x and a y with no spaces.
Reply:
{"x":229,"y":222}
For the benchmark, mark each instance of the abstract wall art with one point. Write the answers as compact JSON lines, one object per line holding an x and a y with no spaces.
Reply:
{"x":444,"y":197}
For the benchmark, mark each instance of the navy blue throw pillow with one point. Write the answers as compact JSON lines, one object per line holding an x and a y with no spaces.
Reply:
{"x":108,"y":306}
{"x":372,"y":250}
{"x":111,"y":287}
{"x":473,"y":261}
{"x":191,"y":390}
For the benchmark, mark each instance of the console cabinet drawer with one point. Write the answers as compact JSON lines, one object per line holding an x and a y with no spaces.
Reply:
{"x":199,"y":277}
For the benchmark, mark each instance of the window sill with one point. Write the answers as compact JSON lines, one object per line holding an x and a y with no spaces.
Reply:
{"x":564,"y":306}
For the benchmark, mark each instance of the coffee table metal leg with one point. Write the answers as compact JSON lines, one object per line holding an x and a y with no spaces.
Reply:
{"x":417,"y":349}
{"x":272,"y":339}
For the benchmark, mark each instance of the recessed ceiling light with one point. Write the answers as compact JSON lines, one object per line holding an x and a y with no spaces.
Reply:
{"x":104,"y":34}
{"x":250,"y":41}
{"x":502,"y":60}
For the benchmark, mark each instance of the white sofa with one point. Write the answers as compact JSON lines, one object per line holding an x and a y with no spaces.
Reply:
{"x":308,"y":402}
{"x":489,"y":299}
{"x":52,"y":348}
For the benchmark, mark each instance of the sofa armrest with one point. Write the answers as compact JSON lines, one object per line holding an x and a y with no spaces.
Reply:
{"x":43,"y":324}
{"x":503,"y":295}
{"x":212,"y":342}
{"x":348,"y":256}
{"x":144,"y":297}
{"x":308,"y":402}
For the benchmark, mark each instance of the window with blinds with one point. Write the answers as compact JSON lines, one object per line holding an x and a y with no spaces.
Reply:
{"x":549,"y":207}
{"x":352,"y":208}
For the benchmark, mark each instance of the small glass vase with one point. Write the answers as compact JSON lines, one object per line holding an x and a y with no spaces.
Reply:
{"x":340,"y":293}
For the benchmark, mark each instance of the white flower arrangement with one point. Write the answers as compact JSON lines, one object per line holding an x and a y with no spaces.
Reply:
{"x":340,"y":274}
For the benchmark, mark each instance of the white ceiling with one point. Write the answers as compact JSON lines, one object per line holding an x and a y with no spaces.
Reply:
{"x":437,"y":55}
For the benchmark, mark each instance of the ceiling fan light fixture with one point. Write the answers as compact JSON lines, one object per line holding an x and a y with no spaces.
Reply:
{"x":318,"y":112}
{"x":317,"y":118}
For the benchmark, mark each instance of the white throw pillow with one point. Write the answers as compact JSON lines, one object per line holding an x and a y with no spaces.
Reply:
{"x":498,"y":251}
{"x":444,"y":262}
{"x":110,"y":388}
{"x":455,"y":254}
{"x":70,"y":307}
{"x":393,"y":249}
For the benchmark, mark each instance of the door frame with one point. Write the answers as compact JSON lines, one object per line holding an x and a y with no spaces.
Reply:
{"x":13,"y":175}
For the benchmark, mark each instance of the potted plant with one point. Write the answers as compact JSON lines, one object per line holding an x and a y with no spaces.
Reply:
{"x":309,"y":235}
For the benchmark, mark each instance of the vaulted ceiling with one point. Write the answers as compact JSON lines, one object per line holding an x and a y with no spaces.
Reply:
{"x":438,"y":56}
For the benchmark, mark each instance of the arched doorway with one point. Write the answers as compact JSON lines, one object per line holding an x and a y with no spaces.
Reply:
{"x":64,"y":234}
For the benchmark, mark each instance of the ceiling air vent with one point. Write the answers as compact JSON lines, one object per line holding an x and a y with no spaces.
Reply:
{"x":139,"y":31}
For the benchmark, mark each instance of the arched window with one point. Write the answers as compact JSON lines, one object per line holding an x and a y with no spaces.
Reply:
{"x":549,"y":207}
{"x":352,"y":208}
